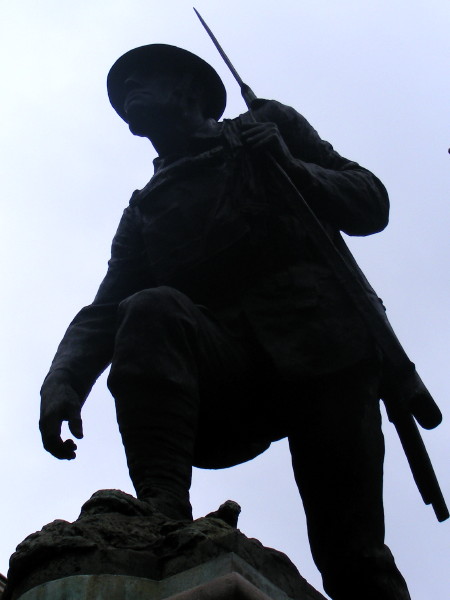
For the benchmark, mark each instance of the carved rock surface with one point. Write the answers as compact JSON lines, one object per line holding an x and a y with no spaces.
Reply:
{"x":117,"y":534}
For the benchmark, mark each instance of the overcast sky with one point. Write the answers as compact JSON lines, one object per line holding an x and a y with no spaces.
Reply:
{"x":371,"y":76}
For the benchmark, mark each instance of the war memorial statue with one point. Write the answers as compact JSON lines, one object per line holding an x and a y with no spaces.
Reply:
{"x":224,"y":326}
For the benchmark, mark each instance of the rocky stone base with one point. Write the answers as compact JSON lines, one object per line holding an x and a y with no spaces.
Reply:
{"x":121,"y":546}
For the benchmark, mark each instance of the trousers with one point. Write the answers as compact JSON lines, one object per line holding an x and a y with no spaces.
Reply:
{"x":173,"y":362}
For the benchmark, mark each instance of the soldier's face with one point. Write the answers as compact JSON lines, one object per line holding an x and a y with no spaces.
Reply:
{"x":157,"y":99}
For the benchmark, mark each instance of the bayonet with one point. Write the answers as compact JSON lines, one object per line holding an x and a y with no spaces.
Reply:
{"x":246,"y":92}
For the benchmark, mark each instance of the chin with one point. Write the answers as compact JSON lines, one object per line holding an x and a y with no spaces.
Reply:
{"x":139,"y":124}
{"x":137,"y":129}
{"x":143,"y":122}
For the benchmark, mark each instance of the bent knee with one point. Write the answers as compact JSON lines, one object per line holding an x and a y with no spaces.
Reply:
{"x":155,"y":302}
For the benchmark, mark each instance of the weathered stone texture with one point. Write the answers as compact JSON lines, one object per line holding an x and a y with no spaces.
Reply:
{"x":116,"y":534}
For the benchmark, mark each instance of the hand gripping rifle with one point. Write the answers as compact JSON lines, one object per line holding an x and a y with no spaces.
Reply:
{"x":404,"y":394}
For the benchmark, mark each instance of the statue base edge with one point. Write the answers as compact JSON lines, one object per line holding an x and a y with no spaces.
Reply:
{"x":227,"y":577}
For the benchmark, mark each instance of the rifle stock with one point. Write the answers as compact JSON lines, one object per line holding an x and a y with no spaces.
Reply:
{"x":404,"y":393}
{"x":406,"y":401}
{"x":420,"y":464}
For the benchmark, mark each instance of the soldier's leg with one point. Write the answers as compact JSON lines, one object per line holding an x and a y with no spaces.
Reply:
{"x":337,"y":453}
{"x":164,"y":345}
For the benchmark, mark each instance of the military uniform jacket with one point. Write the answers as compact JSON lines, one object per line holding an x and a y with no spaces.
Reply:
{"x":217,"y":225}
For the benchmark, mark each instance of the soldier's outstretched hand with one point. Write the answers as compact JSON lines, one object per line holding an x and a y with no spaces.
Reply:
{"x":266,"y":137}
{"x":59,"y":403}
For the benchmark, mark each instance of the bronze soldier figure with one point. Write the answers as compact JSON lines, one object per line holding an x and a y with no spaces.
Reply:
{"x":224,"y":327}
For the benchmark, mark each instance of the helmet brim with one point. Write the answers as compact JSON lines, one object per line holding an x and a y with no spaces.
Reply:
{"x":163,"y":56}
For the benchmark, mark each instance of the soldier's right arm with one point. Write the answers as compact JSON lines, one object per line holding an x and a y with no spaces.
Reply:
{"x":87,"y":346}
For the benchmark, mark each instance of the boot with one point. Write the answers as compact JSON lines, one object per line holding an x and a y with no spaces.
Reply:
{"x":159,"y":441}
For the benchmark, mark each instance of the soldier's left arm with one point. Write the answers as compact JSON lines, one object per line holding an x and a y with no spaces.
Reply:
{"x":340,"y":191}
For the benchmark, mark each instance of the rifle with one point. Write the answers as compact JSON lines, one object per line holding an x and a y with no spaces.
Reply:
{"x":403,"y":392}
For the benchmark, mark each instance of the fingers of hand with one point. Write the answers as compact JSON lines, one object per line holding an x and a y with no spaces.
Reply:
{"x":262,"y":139}
{"x":76,"y":427}
{"x":261,"y":134}
{"x":266,"y":137}
{"x":59,"y":406}
{"x":51,"y":439}
{"x":59,"y":449}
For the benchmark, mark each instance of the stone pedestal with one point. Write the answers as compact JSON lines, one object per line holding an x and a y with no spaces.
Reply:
{"x":114,"y":551}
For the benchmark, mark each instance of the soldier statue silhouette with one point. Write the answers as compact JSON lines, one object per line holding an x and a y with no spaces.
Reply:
{"x":224,"y":325}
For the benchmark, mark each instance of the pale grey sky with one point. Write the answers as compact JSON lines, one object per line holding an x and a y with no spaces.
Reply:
{"x":371,"y":77}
